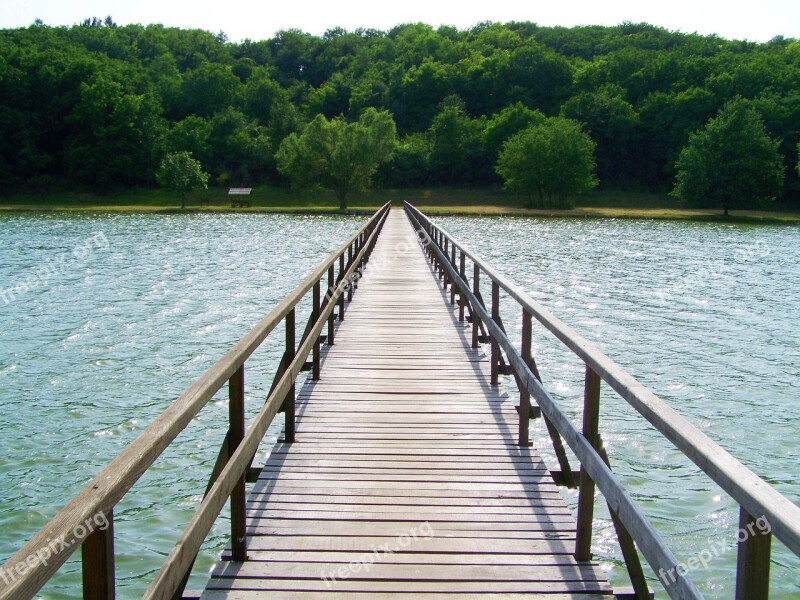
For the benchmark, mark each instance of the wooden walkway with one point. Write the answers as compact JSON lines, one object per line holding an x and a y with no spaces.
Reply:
{"x":405,"y":479}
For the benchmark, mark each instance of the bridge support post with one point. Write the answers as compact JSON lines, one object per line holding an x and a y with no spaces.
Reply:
{"x":341,"y":298}
{"x":453,"y":282}
{"x":524,"y":395}
{"x":752,"y":561}
{"x":331,"y":322}
{"x":236,"y":430}
{"x":495,"y":345}
{"x":591,"y":426}
{"x":288,"y":403}
{"x":350,"y":262}
{"x":314,"y":318}
{"x":97,"y":555}
{"x":462,"y":270}
{"x":476,"y":290}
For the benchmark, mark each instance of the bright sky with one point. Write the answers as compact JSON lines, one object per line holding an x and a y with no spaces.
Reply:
{"x":239,"y":19}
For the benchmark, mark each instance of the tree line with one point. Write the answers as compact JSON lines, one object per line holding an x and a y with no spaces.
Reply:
{"x":99,"y":105}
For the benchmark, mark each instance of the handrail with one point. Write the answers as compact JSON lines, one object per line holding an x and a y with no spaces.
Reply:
{"x":106,"y":490}
{"x":754,"y":495}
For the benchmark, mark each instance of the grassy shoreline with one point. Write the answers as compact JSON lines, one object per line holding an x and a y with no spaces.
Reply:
{"x":434,"y":201}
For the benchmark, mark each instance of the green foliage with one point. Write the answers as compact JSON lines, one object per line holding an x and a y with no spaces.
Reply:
{"x":506,"y":123}
{"x":457,"y":150}
{"x":613,"y":124}
{"x":410,"y":163}
{"x":181,"y":173}
{"x":338,"y":155}
{"x":97,"y":105}
{"x":549,"y":162}
{"x":731,"y":163}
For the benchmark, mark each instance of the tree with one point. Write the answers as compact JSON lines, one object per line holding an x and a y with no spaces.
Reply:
{"x":338,"y":155}
{"x":506,"y":123}
{"x":181,"y":173}
{"x":798,"y":160}
{"x":457,"y":147}
{"x":731,"y":163}
{"x":549,"y":162}
{"x":114,"y":136}
{"x":613,"y":123}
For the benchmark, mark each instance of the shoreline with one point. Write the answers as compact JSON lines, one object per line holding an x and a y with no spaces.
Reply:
{"x":469,"y":202}
{"x":464,"y":210}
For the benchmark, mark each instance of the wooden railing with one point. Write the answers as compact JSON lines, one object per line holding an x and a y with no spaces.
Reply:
{"x":757,"y":500}
{"x":91,"y":511}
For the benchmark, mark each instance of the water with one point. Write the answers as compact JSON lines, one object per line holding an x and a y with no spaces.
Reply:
{"x":104,"y":322}
{"x":134,"y":308}
{"x":706,"y":316}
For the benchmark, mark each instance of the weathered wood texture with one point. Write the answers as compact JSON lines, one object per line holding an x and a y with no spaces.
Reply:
{"x":406,"y":478}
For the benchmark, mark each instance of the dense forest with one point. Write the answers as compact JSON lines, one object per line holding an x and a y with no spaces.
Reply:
{"x":99,"y":105}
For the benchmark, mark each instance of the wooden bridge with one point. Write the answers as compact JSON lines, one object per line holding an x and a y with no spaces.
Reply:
{"x":405,"y":469}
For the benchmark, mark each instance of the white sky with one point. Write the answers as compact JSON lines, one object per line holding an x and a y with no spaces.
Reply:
{"x":239,"y":19}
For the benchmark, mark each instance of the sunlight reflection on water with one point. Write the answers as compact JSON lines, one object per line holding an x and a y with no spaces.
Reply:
{"x":706,"y":316}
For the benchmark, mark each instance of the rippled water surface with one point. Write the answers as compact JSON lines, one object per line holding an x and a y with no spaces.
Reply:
{"x":708,"y":317}
{"x":104,"y":322}
{"x":106,"y":319}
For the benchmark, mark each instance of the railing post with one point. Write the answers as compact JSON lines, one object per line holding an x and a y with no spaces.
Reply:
{"x":341,"y":280}
{"x":97,"y":556}
{"x":351,"y":282}
{"x":453,"y":283}
{"x":331,"y":322}
{"x":445,"y":272}
{"x":524,"y":395}
{"x":495,"y":344}
{"x":476,"y":289}
{"x":288,"y":403}
{"x":443,"y":248}
{"x":462,"y":270}
{"x":314,"y":319}
{"x":752,"y":561}
{"x":591,"y":427}
{"x":236,"y":435}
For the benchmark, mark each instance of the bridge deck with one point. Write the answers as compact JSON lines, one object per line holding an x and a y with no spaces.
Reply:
{"x":405,"y":478}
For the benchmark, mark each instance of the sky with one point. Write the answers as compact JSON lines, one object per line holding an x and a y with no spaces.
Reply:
{"x":734,"y":19}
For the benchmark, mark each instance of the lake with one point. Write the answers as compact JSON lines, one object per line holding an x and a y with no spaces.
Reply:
{"x":106,"y":319}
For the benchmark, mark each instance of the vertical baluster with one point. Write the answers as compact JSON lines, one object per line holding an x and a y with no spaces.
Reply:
{"x":445,"y":272}
{"x":591,"y":425}
{"x":341,"y":276}
{"x":476,"y":289}
{"x":331,"y":322}
{"x":235,"y":437}
{"x":453,"y":283}
{"x":524,"y":395}
{"x":315,"y":317}
{"x":97,"y":556}
{"x":288,"y":403}
{"x":495,"y":344}
{"x":349,"y":263}
{"x":462,"y":270}
{"x":443,"y":248}
{"x":752,"y":561}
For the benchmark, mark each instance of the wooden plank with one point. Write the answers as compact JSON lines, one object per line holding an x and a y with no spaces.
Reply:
{"x":404,"y":435}
{"x":380,"y":570}
{"x":338,"y":595}
{"x":474,"y":586}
